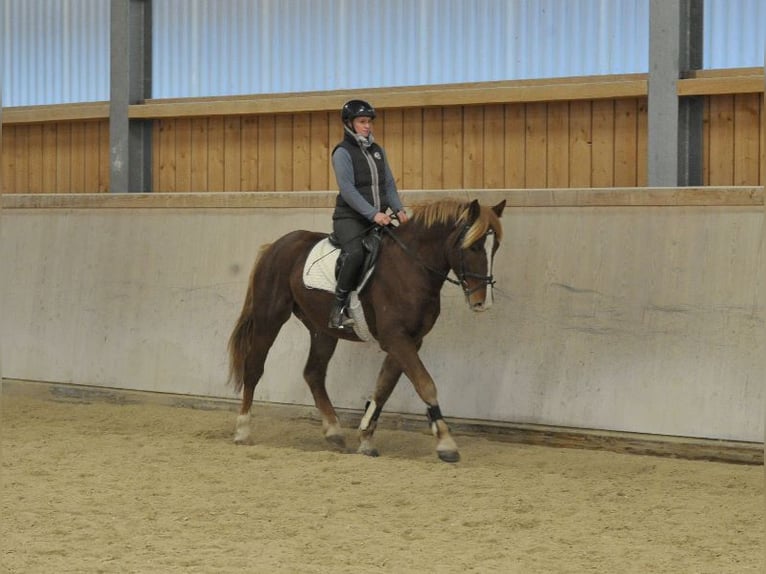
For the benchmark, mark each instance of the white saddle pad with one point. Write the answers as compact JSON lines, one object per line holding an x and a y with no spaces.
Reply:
{"x":319,"y":273}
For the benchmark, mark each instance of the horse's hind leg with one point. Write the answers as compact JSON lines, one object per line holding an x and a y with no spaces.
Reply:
{"x":388,"y":376}
{"x":315,"y":374}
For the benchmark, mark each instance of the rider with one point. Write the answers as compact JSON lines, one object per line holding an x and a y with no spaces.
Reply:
{"x":367,"y":191}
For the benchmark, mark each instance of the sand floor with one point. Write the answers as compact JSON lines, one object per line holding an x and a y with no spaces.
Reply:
{"x":93,"y":486}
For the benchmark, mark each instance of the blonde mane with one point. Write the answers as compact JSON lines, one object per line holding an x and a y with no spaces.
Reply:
{"x":453,"y":212}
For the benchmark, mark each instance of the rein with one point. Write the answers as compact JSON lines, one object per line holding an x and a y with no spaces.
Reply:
{"x":461,"y":276}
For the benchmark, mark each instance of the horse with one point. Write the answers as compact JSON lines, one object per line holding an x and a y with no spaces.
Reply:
{"x":401,"y":304}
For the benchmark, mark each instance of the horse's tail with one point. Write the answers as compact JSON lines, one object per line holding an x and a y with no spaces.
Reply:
{"x":242,"y":335}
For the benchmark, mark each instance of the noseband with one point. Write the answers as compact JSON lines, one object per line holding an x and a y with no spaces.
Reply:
{"x":462,"y":275}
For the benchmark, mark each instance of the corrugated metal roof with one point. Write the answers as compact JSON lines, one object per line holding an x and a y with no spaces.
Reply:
{"x":57,"y":51}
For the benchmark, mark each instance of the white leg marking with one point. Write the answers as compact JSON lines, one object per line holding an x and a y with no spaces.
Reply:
{"x":242,"y":430}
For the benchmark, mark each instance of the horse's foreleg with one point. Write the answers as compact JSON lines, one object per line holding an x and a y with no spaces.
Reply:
{"x":388,"y":376}
{"x":406,"y":353}
{"x":315,"y":374}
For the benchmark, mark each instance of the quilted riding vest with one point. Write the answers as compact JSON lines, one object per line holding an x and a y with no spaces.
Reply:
{"x":369,"y":176}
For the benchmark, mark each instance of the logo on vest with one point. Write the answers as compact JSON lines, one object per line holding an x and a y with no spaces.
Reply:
{"x":377,"y":155}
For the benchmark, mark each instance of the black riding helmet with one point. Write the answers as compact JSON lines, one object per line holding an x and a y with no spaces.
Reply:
{"x":356,"y":109}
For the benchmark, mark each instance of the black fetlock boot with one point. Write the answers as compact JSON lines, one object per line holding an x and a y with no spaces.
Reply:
{"x":338,"y":316}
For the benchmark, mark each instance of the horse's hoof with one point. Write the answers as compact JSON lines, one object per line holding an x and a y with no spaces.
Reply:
{"x":336,"y":440}
{"x":449,"y":455}
{"x":368,"y":451}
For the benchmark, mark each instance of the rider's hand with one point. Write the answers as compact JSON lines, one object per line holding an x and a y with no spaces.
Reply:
{"x":381,"y":219}
{"x":402,"y":216}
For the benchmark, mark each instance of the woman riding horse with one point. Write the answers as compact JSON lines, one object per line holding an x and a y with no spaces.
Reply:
{"x":367,"y":191}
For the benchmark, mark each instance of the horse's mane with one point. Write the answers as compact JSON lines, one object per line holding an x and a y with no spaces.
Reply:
{"x":453,"y":212}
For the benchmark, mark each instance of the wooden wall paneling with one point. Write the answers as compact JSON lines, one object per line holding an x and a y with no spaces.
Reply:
{"x":412,"y":149}
{"x":493,"y":170}
{"x":266,"y":153}
{"x":747,"y":128}
{"x":394,"y":142}
{"x":557,"y":139}
{"x":762,"y":141}
{"x":91,"y":147}
{"x":603,"y":143}
{"x":301,"y":176}
{"x":9,"y":158}
{"x":536,"y":152}
{"x":183,"y":155}
{"x":433,"y":144}
{"x":721,"y":125}
{"x":215,"y":159}
{"x":706,"y":141}
{"x":580,"y":143}
{"x":319,"y":148}
{"x":625,"y":142}
{"x":283,"y":153}
{"x":232,"y":153}
{"x":473,"y":147}
{"x":64,"y":157}
{"x":515,"y":145}
{"x":249,"y":173}
{"x":642,"y":143}
{"x":21,"y":159}
{"x":35,"y":152}
{"x":105,"y":160}
{"x":199,"y":154}
{"x":452,"y":160}
{"x":166,"y":156}
{"x":49,"y":158}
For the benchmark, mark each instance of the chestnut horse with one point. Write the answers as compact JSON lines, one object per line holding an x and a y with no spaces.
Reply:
{"x":401,"y":305}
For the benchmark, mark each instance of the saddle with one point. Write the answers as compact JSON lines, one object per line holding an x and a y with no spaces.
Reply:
{"x":321,"y":272}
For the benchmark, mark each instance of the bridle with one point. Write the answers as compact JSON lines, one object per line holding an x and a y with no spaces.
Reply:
{"x":462,"y":274}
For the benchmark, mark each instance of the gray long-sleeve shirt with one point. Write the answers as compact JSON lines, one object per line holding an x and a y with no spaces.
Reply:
{"x":344,"y":174}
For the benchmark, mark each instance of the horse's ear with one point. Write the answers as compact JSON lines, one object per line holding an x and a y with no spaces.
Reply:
{"x":474,"y":210}
{"x":498,"y":209}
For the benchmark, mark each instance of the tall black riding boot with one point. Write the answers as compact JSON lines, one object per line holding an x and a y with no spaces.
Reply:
{"x":339,"y":319}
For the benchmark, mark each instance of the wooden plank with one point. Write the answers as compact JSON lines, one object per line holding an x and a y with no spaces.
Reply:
{"x":319,"y":151}
{"x":412,"y":149}
{"x":166,"y":156}
{"x":183,"y":155}
{"x":515,"y":145}
{"x":642,"y":143}
{"x":49,"y":158}
{"x":557,"y":139}
{"x":536,"y":146}
{"x":215,"y":154}
{"x":199,"y":155}
{"x":35,"y":152}
{"x":473,"y":147}
{"x":266,"y":156}
{"x":493,"y":168}
{"x":104,"y":170}
{"x":91,"y":153}
{"x":78,"y":158}
{"x":64,"y":158}
{"x":722,"y":140}
{"x":625,"y":142}
{"x":603,"y":144}
{"x":433,"y":142}
{"x":232,"y":153}
{"x":249,"y":173}
{"x":394,"y":142}
{"x":580,"y":143}
{"x":78,"y":112}
{"x":749,"y":198}
{"x":301,"y":152}
{"x":283,"y":153}
{"x":8,"y":178}
{"x":452,"y":161}
{"x":747,"y":128}
{"x":21,"y":160}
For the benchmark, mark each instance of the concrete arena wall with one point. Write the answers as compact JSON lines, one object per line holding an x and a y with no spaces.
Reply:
{"x":644,"y":319}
